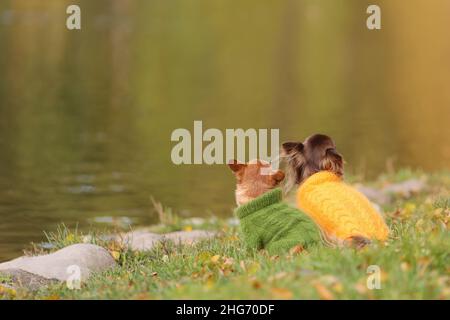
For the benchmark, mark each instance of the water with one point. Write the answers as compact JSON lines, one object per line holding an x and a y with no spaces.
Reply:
{"x":86,"y":116}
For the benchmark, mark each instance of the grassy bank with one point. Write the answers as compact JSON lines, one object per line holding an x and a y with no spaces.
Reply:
{"x":414,"y":263}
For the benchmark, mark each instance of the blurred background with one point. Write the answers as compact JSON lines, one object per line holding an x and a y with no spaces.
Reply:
{"x":86,"y":116}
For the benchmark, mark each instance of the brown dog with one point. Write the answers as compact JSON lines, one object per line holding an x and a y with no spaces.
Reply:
{"x":316,"y":153}
{"x":251,"y":182}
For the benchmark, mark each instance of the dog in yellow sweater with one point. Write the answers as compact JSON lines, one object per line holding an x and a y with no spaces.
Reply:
{"x":344,"y":214}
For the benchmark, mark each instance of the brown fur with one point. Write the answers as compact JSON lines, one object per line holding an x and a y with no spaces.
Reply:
{"x":316,"y":153}
{"x":251,"y":183}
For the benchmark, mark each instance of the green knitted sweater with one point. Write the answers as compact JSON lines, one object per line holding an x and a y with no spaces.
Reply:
{"x":268,"y":223}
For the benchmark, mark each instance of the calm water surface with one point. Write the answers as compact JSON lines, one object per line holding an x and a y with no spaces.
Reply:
{"x":86,"y":116}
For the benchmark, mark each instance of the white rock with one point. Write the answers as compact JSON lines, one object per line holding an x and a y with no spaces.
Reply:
{"x":87,"y":257}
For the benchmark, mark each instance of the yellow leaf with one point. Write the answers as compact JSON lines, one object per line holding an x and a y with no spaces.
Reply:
{"x":7,"y":291}
{"x":404,"y":266}
{"x":323,"y":292}
{"x":282,"y":293}
{"x":253,"y":267}
{"x":215,"y":259}
{"x":338,"y":287}
{"x":360,"y":288}
{"x":187,"y":228}
{"x":204,"y":256}
{"x":409,"y":209}
{"x":115,"y":255}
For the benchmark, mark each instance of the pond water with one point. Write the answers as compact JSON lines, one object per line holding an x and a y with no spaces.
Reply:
{"x":86,"y":116}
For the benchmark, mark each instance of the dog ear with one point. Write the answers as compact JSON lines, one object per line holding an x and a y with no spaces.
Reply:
{"x":278,"y":176}
{"x":236,"y":166}
{"x":289,"y":147}
{"x":333,"y":161}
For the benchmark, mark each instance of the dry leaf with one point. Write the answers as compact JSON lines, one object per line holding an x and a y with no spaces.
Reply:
{"x":255,"y":283}
{"x":7,"y":291}
{"x":253,"y":267}
{"x":115,"y":254}
{"x":404,"y":266}
{"x":228,"y":262}
{"x":296,"y":250}
{"x":360,"y":288}
{"x":282,"y":293}
{"x":323,"y":292}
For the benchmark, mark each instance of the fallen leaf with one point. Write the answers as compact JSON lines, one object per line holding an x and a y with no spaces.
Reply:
{"x":360,"y":288}
{"x":115,"y":255}
{"x":255,"y":283}
{"x":228,"y":262}
{"x":323,"y":292}
{"x":404,"y":266}
{"x":273,"y":258}
{"x":296,"y":250}
{"x":7,"y":291}
{"x":142,"y":296}
{"x":282,"y":293}
{"x":253,"y":268}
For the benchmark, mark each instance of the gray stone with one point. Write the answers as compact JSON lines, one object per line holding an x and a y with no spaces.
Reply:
{"x":141,"y":240}
{"x":406,"y":188}
{"x":374,"y":195}
{"x":23,"y":279}
{"x":87,"y":257}
{"x":189,"y":237}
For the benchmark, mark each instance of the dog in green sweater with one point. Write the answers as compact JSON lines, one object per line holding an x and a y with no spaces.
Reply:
{"x":266,"y":221}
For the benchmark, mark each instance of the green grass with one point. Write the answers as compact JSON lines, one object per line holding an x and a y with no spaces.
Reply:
{"x":414,"y":263}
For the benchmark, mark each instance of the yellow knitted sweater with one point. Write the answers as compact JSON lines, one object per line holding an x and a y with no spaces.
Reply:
{"x":340,"y":210}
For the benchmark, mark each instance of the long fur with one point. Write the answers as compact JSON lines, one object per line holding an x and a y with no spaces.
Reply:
{"x":302,"y":160}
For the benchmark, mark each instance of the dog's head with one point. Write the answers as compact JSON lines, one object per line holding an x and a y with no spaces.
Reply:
{"x":254,"y":179}
{"x":316,"y":153}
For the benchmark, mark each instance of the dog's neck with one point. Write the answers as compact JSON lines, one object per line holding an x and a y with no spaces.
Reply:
{"x":246,"y":194}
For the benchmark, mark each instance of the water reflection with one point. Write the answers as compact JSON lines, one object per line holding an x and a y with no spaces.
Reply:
{"x":86,"y":117}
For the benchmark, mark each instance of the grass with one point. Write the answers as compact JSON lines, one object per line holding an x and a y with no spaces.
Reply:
{"x":414,"y":263}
